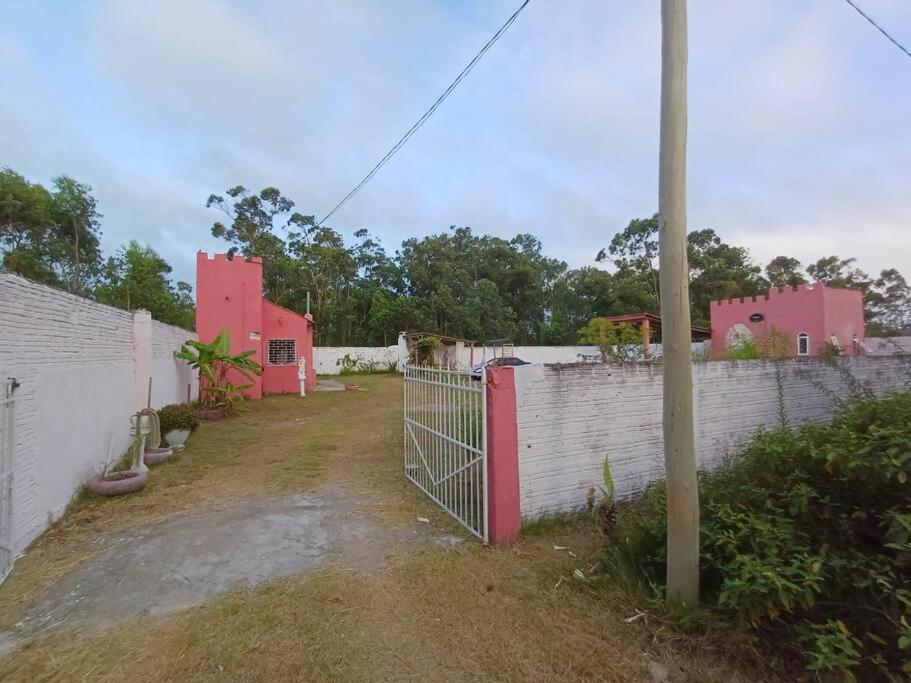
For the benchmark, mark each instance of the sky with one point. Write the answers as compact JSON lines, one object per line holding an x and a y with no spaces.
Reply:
{"x":799,"y":140}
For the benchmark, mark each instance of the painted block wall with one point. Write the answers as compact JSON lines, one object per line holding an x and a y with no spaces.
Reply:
{"x":171,"y":379}
{"x":814,"y":309}
{"x":887,"y":346}
{"x":570,"y":418}
{"x":280,"y":323}
{"x":82,"y":372}
{"x":326,"y":357}
{"x":229,"y":293}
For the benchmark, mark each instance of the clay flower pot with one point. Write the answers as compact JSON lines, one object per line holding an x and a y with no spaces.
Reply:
{"x":117,"y":483}
{"x":212,"y":414}
{"x":153,"y":456}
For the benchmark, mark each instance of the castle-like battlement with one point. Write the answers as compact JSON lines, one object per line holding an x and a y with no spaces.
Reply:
{"x":205,"y":257}
{"x":810,"y":315}
{"x":793,"y":291}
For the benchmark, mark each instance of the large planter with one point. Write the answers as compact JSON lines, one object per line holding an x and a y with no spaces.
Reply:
{"x":153,"y":456}
{"x":212,"y":414}
{"x":117,"y":483}
{"x":177,"y":438}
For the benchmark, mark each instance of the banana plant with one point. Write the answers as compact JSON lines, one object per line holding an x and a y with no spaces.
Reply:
{"x":213,"y":361}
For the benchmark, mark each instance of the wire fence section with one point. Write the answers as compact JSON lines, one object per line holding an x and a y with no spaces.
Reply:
{"x":446,"y":441}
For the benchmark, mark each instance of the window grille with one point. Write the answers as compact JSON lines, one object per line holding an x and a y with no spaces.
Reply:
{"x":803,"y":344}
{"x":282,"y":352}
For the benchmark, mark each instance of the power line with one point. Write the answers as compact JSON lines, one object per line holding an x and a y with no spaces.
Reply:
{"x":879,"y":28}
{"x":427,"y":114}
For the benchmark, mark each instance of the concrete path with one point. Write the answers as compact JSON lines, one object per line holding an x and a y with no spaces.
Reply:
{"x":160,"y":568}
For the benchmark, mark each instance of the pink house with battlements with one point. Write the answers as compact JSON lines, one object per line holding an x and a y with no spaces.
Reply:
{"x":810,"y":316}
{"x":229,"y":294}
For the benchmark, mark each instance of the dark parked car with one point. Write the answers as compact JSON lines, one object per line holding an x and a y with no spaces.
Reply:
{"x":478,"y":369}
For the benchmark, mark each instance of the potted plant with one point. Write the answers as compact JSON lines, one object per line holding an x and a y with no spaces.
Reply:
{"x":115,"y":483}
{"x":177,"y":421}
{"x":217,"y":395}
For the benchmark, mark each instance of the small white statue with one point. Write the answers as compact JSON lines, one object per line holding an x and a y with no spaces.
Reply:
{"x":302,"y":375}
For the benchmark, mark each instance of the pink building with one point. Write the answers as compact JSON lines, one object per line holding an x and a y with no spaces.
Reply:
{"x":810,"y":316}
{"x":229,"y":293}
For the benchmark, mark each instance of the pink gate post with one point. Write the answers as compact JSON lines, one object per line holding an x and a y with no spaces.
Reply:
{"x":504,"y":517}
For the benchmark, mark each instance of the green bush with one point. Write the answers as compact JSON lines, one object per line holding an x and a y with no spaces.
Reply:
{"x":807,"y":532}
{"x":178,"y":416}
{"x":743,"y":349}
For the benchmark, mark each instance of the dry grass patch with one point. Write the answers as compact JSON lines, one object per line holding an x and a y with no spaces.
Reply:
{"x":479,"y":613}
{"x":279,"y":445}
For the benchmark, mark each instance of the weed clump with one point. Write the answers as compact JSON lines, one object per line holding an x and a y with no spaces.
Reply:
{"x":805,"y":534}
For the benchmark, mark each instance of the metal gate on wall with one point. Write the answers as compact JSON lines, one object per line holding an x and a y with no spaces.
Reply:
{"x":446,"y":442}
{"x":6,"y":480}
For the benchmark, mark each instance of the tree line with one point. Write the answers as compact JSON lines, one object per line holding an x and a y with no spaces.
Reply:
{"x":481,"y":287}
{"x":52,"y":236}
{"x":454,"y":283}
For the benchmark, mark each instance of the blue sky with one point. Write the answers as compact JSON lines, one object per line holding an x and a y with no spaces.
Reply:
{"x":799,"y":135}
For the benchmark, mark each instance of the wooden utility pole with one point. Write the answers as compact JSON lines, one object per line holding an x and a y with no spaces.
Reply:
{"x":679,"y":440}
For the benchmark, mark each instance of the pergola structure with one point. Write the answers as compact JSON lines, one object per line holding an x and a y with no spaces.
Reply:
{"x":457,"y":342}
{"x":649,"y":321}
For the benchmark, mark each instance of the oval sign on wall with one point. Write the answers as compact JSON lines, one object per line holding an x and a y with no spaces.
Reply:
{"x":757,"y":318}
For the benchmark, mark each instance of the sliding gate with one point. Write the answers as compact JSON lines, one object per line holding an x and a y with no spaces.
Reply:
{"x":446,"y":442}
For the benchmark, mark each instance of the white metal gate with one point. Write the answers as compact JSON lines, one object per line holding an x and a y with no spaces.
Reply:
{"x":6,"y":479}
{"x":446,"y":442}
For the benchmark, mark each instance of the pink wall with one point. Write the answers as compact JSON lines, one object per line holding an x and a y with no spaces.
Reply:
{"x":845,"y":317}
{"x":816,"y":310}
{"x":503,"y":515}
{"x":280,"y":323}
{"x":230,"y":294}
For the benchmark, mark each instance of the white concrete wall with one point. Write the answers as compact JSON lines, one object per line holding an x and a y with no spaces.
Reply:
{"x":325,"y":357}
{"x":533,"y":354}
{"x":887,"y":346}
{"x":571,"y":418}
{"x":170,"y":378}
{"x":82,"y":372}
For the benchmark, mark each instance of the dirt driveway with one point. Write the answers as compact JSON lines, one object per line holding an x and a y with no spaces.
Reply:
{"x":284,"y":545}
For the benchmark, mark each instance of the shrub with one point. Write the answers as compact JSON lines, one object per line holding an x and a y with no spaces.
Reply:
{"x":742,"y":349}
{"x":805,"y":531}
{"x":618,"y":342}
{"x":422,"y":350}
{"x":347,"y":364}
{"x":178,"y":416}
{"x":214,"y":361}
{"x":351,"y":365}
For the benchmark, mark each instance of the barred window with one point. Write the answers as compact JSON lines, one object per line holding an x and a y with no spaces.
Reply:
{"x":282,"y":352}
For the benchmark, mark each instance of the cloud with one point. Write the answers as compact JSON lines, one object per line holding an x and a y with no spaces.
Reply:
{"x":798,"y":136}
